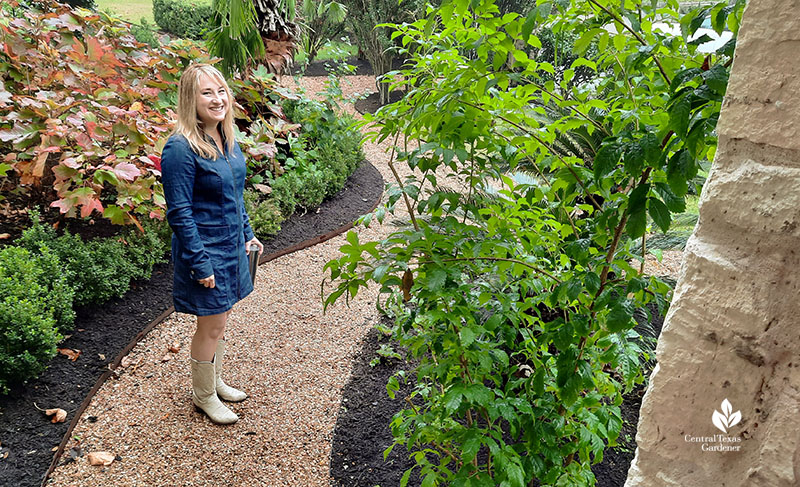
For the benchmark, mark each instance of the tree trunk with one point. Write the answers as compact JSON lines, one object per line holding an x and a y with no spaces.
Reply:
{"x":279,"y":35}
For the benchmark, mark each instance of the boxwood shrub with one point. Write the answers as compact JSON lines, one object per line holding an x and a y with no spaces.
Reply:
{"x":183,"y":18}
{"x":35,"y":301}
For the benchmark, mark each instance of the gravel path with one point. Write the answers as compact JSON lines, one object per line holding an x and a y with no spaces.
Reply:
{"x":292,"y":359}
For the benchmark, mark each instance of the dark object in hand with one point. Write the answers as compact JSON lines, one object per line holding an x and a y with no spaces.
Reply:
{"x":254,"y":254}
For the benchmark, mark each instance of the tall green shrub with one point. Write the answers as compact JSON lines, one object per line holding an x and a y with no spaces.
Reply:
{"x":35,"y":301}
{"x":183,"y":18}
{"x":520,"y":308}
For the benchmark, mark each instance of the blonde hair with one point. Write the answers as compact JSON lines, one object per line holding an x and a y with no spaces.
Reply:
{"x":188,"y":124}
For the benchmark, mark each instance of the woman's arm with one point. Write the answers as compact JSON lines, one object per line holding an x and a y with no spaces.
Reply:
{"x":177,"y":176}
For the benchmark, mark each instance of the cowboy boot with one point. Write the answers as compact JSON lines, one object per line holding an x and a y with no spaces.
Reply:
{"x":224,"y":391}
{"x":204,"y":395}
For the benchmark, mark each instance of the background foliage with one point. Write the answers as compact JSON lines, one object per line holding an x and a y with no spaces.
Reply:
{"x":518,"y":294}
{"x":183,"y":18}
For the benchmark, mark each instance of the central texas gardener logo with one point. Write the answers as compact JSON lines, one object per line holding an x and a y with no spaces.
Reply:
{"x":726,"y":418}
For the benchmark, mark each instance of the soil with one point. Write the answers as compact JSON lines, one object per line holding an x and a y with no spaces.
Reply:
{"x":362,"y":429}
{"x":363,"y":68}
{"x":371,"y":103}
{"x":27,"y":438}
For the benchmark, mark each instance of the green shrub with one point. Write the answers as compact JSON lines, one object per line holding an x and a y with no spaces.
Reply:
{"x":284,"y":190}
{"x":102,"y":268}
{"x":311,"y":187}
{"x":265,"y":215}
{"x":145,"y":32}
{"x":34,"y":300}
{"x":183,"y":18}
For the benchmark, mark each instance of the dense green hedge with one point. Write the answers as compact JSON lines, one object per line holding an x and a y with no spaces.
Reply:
{"x":183,"y":18}
{"x":47,"y":274}
{"x":35,"y":300}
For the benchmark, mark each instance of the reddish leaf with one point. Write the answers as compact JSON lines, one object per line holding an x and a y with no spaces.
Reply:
{"x":126,"y":171}
{"x":58,"y":415}
{"x":100,"y":458}
{"x":70,"y":353}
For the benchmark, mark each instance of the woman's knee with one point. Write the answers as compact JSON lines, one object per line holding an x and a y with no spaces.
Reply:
{"x":212,"y":326}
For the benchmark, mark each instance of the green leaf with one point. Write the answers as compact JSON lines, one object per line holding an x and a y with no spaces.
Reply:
{"x":679,"y":114}
{"x":659,"y":213}
{"x":515,"y":475}
{"x":452,"y":399}
{"x":675,"y":203}
{"x":471,"y":446}
{"x":606,"y":160}
{"x":717,"y":79}
{"x":680,"y":170}
{"x":592,"y":282}
{"x":621,"y":316}
{"x":115,"y":214}
{"x":436,"y":278}
{"x":467,"y":336}
{"x":392,"y":387}
{"x":530,"y":23}
{"x":634,"y":157}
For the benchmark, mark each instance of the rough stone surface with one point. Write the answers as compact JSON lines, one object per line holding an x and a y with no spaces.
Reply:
{"x":732,"y":330}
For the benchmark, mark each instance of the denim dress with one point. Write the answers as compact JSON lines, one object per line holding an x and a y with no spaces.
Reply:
{"x":205,"y":209}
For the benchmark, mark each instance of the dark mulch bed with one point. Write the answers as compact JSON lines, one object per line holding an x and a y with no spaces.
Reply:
{"x":362,"y":428}
{"x":317,"y":68}
{"x":371,"y":103}
{"x":26,"y":435}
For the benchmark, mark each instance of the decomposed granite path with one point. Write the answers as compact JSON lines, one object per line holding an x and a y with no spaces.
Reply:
{"x":292,"y":359}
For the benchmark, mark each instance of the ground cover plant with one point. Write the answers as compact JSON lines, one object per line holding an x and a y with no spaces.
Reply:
{"x":520,"y":307}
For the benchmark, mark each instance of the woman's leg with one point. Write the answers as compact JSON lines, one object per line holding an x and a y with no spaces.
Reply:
{"x":204,"y":346}
{"x":224,"y":391}
{"x":209,"y":330}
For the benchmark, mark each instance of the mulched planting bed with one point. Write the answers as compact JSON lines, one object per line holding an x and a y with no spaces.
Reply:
{"x":372,"y":103}
{"x":362,"y":427}
{"x":27,"y":438}
{"x":318,"y":68}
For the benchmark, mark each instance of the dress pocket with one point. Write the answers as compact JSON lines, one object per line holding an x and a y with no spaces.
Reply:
{"x":213,"y":234}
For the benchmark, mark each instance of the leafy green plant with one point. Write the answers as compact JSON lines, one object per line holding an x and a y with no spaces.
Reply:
{"x":367,"y":19}
{"x":102,"y":268}
{"x":144,"y":32}
{"x":265,"y":215}
{"x":85,"y":162}
{"x":35,"y":300}
{"x":322,"y":22}
{"x":183,"y":18}
{"x":521,"y":308}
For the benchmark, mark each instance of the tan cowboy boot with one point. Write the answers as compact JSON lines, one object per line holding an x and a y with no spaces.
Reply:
{"x":224,"y":391}
{"x":204,"y":395}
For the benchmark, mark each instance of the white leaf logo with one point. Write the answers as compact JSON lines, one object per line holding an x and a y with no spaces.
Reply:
{"x":726,"y":418}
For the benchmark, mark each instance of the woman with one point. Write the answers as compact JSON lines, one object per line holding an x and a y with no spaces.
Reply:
{"x":203,"y":172}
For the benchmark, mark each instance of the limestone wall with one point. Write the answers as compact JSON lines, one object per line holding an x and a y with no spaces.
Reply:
{"x":733,"y":331}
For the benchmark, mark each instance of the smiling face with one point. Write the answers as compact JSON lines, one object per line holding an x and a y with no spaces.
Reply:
{"x":212,"y":102}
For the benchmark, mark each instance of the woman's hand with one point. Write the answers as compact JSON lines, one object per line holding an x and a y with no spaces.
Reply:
{"x":255,"y":242}
{"x":208,"y":282}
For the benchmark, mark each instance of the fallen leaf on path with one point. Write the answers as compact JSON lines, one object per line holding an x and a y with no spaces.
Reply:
{"x":166,"y":358}
{"x":175,"y":347}
{"x":58,"y":415}
{"x":100,"y":458}
{"x":70,"y":353}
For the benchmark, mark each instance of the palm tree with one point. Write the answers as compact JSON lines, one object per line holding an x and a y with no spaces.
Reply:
{"x":248,"y":31}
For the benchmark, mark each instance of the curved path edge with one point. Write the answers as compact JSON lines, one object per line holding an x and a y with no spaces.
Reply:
{"x":163,"y":316}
